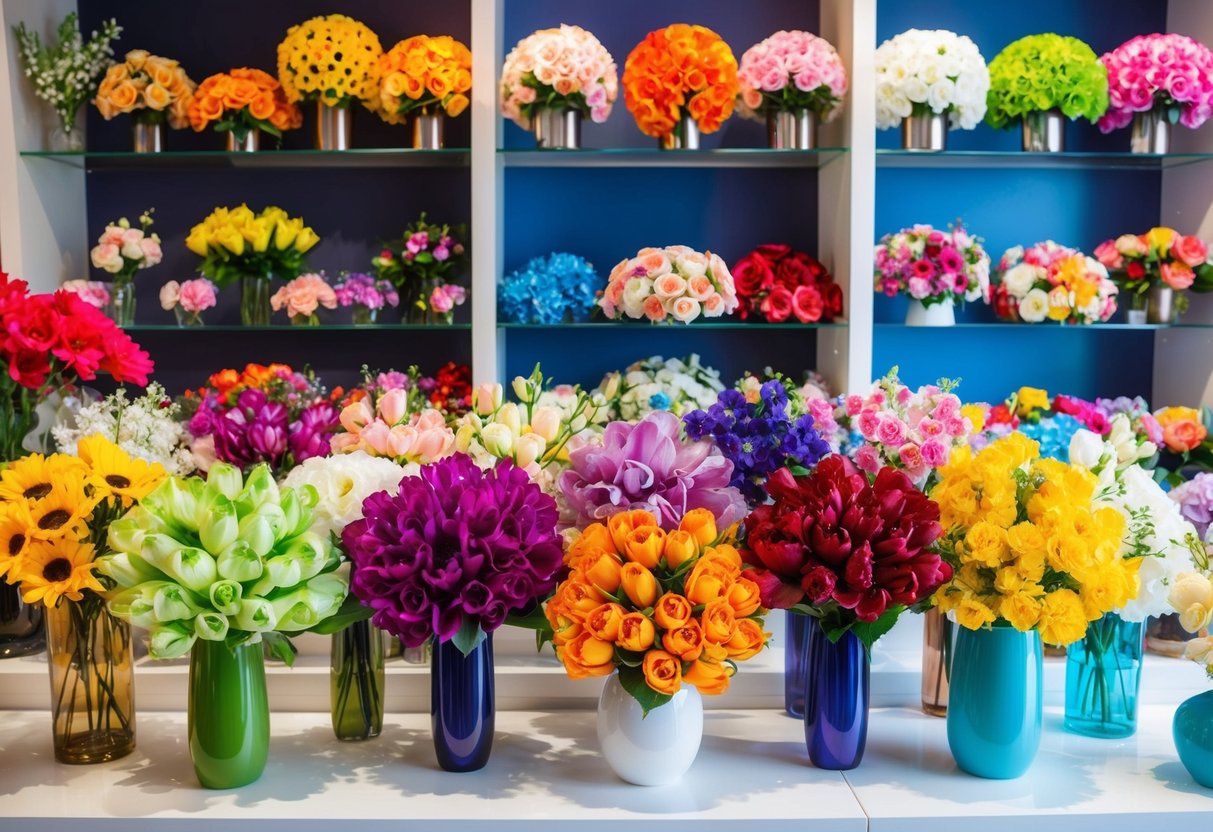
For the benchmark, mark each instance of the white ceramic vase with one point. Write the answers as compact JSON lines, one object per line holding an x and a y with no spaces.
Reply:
{"x":649,"y":750}
{"x":937,"y":314}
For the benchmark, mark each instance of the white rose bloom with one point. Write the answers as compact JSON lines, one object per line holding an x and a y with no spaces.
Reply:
{"x":1034,"y":307}
{"x":343,"y":483}
{"x":1019,"y":280}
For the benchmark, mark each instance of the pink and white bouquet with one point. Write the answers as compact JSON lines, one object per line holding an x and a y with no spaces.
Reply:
{"x":793,"y":70}
{"x":1052,"y":282}
{"x":924,"y":72}
{"x":675,"y":283}
{"x":188,"y":299}
{"x":914,"y":431}
{"x":382,"y":426}
{"x":933,"y":266}
{"x":558,"y":69}
{"x":302,"y":297}
{"x":122,"y":250}
{"x":92,"y":292}
{"x":1169,"y":72}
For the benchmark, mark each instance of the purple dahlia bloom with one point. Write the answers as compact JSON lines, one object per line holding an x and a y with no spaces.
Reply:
{"x":648,"y":466}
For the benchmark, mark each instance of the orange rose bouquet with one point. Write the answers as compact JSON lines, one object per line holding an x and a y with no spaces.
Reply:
{"x":424,"y":74}
{"x":241,"y":101}
{"x":662,"y":608}
{"x":681,"y":70}
{"x":152,"y":89}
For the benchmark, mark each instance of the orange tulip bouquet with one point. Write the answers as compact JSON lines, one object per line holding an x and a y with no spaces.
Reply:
{"x":678,"y":74}
{"x":150,"y":88}
{"x":241,"y":102}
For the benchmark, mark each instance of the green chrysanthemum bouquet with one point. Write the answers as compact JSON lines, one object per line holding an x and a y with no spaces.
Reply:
{"x":1046,"y":72}
{"x":224,"y":559}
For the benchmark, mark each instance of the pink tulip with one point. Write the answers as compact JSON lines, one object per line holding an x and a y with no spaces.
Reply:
{"x":393,"y":405}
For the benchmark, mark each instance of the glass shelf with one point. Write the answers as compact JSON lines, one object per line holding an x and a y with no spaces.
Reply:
{"x":615,"y":326}
{"x":1042,"y":327}
{"x":281,"y":328}
{"x":1070,"y":160}
{"x":373,"y":157}
{"x":634,"y":157}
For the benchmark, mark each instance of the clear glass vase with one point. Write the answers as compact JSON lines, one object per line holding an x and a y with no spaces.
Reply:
{"x":937,"y":637}
{"x":255,"y":301}
{"x":121,"y":306}
{"x":365,"y":315}
{"x":356,"y":680}
{"x":186,"y":319}
{"x":1103,"y":673}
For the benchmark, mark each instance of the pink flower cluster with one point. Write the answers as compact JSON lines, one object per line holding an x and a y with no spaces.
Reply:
{"x":1159,"y":71}
{"x":446,"y":297}
{"x":92,"y":292}
{"x":793,"y":59}
{"x":932,"y":265}
{"x":569,"y":62}
{"x":194,"y":296}
{"x":675,"y":283}
{"x":122,"y":249}
{"x":304,"y":295}
{"x":914,"y":431}
{"x":1092,"y":418}
{"x":387,"y":430}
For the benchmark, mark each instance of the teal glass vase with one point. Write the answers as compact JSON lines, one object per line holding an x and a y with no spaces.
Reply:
{"x":1103,"y":673}
{"x":1192,"y":731}
{"x":229,"y":714}
{"x":994,"y":704}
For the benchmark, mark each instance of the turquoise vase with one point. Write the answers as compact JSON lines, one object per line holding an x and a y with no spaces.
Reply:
{"x":1193,"y":733}
{"x":229,"y":714}
{"x":1103,"y":672}
{"x":994,"y":705}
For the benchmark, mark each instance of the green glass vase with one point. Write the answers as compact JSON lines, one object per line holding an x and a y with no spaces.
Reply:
{"x":357,"y":682}
{"x":229,"y":714}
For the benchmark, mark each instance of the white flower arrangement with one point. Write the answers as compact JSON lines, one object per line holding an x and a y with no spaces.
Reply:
{"x":677,"y":385}
{"x":147,"y":428}
{"x":343,"y":482}
{"x":931,"y":71}
{"x":66,"y":73}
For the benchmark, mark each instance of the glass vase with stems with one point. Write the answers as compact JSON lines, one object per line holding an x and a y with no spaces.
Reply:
{"x":1103,"y":672}
{"x":357,"y":682}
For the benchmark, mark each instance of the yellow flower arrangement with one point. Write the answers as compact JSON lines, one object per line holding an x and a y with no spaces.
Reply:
{"x":424,"y":73}
{"x":151,"y":88}
{"x":235,"y":243}
{"x":1028,"y":545}
{"x":331,"y":59}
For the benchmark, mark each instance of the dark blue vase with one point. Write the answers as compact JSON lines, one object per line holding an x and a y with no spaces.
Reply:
{"x":795,"y":659}
{"x":837,"y":694}
{"x":461,"y":705}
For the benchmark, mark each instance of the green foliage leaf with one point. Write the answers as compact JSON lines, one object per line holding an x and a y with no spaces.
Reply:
{"x":870,"y":632}
{"x":280,"y":647}
{"x":469,"y":636}
{"x":632,"y":679}
{"x":351,"y":612}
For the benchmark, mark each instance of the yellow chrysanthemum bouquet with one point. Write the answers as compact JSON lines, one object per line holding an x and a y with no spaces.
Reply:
{"x":332,"y":59}
{"x":55,"y":513}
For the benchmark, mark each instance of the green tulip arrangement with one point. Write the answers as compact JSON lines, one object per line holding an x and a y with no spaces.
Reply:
{"x":226,"y":559}
{"x":1046,"y":72}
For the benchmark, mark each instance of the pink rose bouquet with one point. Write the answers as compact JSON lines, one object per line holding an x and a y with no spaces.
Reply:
{"x":793,"y":70}
{"x":1052,"y":282}
{"x":558,"y":69}
{"x":1169,"y":72}
{"x":933,"y":266}
{"x":188,"y":299}
{"x":92,"y":292}
{"x":302,"y":297}
{"x":675,"y":283}
{"x":122,"y":250}
{"x":1160,"y":257}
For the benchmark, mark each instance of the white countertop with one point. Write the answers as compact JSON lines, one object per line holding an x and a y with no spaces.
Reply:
{"x":752,"y":773}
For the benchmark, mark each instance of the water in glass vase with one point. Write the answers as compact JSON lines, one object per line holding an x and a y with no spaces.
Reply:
{"x":1103,"y":672}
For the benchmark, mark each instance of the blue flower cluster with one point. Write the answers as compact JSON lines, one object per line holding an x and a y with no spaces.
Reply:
{"x":758,"y":438}
{"x":1054,"y":434}
{"x":549,"y":290}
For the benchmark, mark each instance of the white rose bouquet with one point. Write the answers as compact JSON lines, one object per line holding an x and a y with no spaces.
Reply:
{"x":920,"y":72}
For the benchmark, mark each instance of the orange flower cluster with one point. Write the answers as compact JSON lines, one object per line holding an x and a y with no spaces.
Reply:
{"x":670,"y":605}
{"x":146,"y":82}
{"x":247,"y":96}
{"x":676,"y":69}
{"x":424,"y":72}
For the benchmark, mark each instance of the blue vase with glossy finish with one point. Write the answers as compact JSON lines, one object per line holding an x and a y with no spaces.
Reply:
{"x":1193,"y":733}
{"x":461,"y":705}
{"x":994,"y":705}
{"x":837,"y":694}
{"x":795,"y":660}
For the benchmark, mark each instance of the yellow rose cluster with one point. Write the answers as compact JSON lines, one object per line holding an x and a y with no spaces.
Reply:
{"x":146,"y":82}
{"x":333,"y":59}
{"x":1028,"y":544}
{"x":235,"y":242}
{"x":423,"y":73}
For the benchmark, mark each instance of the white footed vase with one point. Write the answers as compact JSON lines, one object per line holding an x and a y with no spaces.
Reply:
{"x":651,"y":750}
{"x":937,"y":314}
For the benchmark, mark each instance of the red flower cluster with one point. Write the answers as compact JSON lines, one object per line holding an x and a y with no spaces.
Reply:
{"x":834,"y":541}
{"x":60,"y":336}
{"x":776,"y":282}
{"x":452,"y":392}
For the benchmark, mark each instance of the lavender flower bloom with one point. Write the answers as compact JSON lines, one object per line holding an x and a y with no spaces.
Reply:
{"x":1195,"y":498}
{"x":456,"y":546}
{"x":309,"y":436}
{"x":648,"y":466}
{"x":364,"y":290}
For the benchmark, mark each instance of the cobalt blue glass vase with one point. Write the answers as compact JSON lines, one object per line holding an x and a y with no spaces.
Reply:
{"x":1192,"y":731}
{"x":1103,"y":672}
{"x":837,"y":694}
{"x":461,"y":705}
{"x":994,"y":705}
{"x":795,"y":657}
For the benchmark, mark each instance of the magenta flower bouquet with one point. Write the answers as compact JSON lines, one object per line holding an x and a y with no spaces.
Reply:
{"x":1171,"y":72}
{"x":454,"y":552}
{"x":932,"y":266}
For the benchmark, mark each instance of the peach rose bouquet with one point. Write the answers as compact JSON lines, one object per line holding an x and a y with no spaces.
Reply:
{"x":332,"y":59}
{"x":151,"y":88}
{"x":425,"y":75}
{"x":675,"y":283}
{"x":558,"y":69}
{"x":240,"y":101}
{"x":680,"y":71}
{"x":302,"y":297}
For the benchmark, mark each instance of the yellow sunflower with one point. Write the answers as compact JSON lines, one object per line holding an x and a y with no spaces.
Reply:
{"x":117,"y":475}
{"x":64,"y":512}
{"x":52,"y":570}
{"x":32,"y":477}
{"x":15,"y":523}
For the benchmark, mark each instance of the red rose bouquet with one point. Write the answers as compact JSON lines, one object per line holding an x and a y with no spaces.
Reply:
{"x":776,"y":283}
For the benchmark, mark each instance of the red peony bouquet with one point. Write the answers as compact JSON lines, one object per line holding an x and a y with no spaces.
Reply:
{"x":776,"y":283}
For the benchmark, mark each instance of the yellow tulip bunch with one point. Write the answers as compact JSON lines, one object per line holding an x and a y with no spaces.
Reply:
{"x":332,"y":59}
{"x":235,"y":242}
{"x":1027,"y":543}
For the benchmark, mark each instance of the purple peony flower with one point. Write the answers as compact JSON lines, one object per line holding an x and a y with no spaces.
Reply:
{"x":309,"y":435}
{"x":1195,"y":498}
{"x":648,"y":466}
{"x":456,"y":544}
